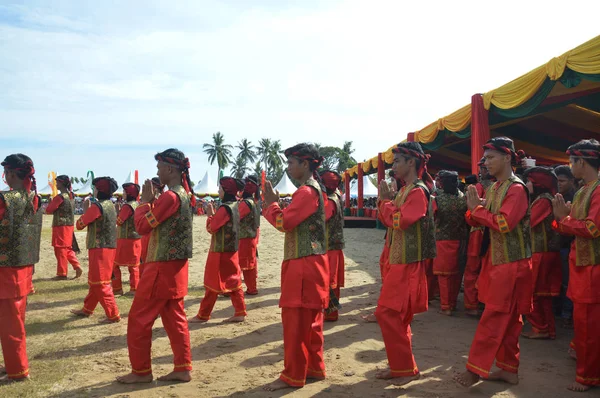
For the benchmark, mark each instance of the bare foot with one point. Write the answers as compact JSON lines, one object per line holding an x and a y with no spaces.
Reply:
{"x":106,"y":320}
{"x":535,"y":336}
{"x":400,"y":381}
{"x":251,"y":293}
{"x":5,"y":380}
{"x":185,"y":376}
{"x":572,"y":353}
{"x":118,"y":292}
{"x":59,"y":278}
{"x":195,"y":319}
{"x":371,"y":318}
{"x":466,"y":379}
{"x":2,"y":370}
{"x":384,"y":374}
{"x":473,"y":313}
{"x":578,"y":387}
{"x":445,"y":312}
{"x":503,"y":375}
{"x":78,"y":273}
{"x":80,"y":313}
{"x":130,"y":293}
{"x":132,"y":378}
{"x":235,"y":319}
{"x":277,"y":385}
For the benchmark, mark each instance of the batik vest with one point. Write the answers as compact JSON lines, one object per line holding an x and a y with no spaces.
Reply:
{"x":450,"y":221}
{"x":127,"y":229}
{"x":587,"y":250}
{"x":486,"y":184}
{"x":102,"y":233}
{"x":507,"y":246}
{"x":543,"y":237}
{"x":335,"y":225}
{"x":308,"y":238}
{"x":172,"y":239}
{"x":249,"y":225}
{"x":417,"y":242}
{"x":226,"y":239}
{"x":65,"y":214}
{"x":20,"y":230}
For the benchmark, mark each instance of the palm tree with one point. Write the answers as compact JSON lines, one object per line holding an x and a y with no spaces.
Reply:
{"x":274,"y":161}
{"x":345,"y":156}
{"x":258,"y":169}
{"x":239,"y":168}
{"x":264,"y":149}
{"x":247,"y":151}
{"x":218,"y":151}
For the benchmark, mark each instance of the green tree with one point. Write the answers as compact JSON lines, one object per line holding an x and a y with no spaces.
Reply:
{"x":218,"y":151}
{"x":239,"y":168}
{"x":247,"y":151}
{"x":258,"y":170}
{"x":269,"y":152}
{"x":345,"y":157}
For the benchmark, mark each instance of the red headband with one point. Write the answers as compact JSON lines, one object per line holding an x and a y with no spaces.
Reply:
{"x":250,"y":187}
{"x":182,"y":164}
{"x":229,"y":186}
{"x":131,"y":190}
{"x":543,"y":181}
{"x":424,"y":158}
{"x":29,"y":178}
{"x":584,"y":153}
{"x":515,"y":156}
{"x":331,"y":180}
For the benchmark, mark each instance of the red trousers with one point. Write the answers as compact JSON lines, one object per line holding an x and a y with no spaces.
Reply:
{"x":134,"y":277}
{"x":303,"y":345}
{"x":586,"y":320}
{"x":101,"y":293}
{"x":333,"y":316}
{"x":472,"y":270}
{"x":432,"y":280}
{"x":210,"y":298}
{"x":496,"y":337}
{"x":395,"y":329}
{"x":12,"y":336}
{"x":449,"y":288}
{"x":250,"y":276}
{"x":142,"y":315}
{"x":64,"y":256}
{"x":542,"y":316}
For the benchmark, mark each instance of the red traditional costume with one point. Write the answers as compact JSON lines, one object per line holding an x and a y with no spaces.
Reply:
{"x":545,"y":258}
{"x":222,"y":273}
{"x":129,"y":242}
{"x":62,"y":208}
{"x":304,"y":282}
{"x":584,"y":280}
{"x":159,"y":188}
{"x":409,"y":220}
{"x":100,"y":219}
{"x":20,"y":234}
{"x":505,"y":282}
{"x":249,"y":235}
{"x":164,"y":282}
{"x":450,"y":236}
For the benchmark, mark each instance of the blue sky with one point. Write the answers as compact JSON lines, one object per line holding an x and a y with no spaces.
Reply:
{"x":105,"y":85}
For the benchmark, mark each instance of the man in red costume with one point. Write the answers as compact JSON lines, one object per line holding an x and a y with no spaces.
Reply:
{"x":450,"y":234}
{"x":222,"y":273}
{"x":545,"y":247}
{"x":100,"y":218}
{"x":129,"y":242}
{"x":249,"y":233}
{"x":581,"y":219}
{"x":334,"y":214}
{"x":158,"y":190}
{"x":20,"y":234}
{"x":164,"y":283}
{"x":62,"y":208}
{"x":473,"y":266}
{"x":304,"y":271}
{"x":409,"y":218}
{"x":505,"y":283}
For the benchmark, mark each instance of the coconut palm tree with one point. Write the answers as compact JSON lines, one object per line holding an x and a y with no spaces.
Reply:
{"x":247,"y":151}
{"x":264,"y":149}
{"x":239,"y":168}
{"x":218,"y":151}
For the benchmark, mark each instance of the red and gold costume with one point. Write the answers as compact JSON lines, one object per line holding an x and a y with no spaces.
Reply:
{"x":129,"y":248}
{"x":222,"y":273}
{"x":248,"y":245}
{"x":450,"y":236}
{"x":505,"y":282}
{"x":409,"y":219}
{"x":584,"y":280}
{"x":100,"y":219}
{"x":334,"y":216}
{"x":164,"y":283}
{"x":62,"y":208}
{"x":304,"y":282}
{"x":20,"y":233}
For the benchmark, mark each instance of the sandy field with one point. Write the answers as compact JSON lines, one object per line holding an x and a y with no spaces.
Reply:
{"x":75,"y":357}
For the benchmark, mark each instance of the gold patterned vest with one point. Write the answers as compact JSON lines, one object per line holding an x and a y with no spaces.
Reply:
{"x":335,"y":225}
{"x":543,"y":237}
{"x":127,"y":229}
{"x":486,"y":184}
{"x":249,"y":225}
{"x":587,"y":250}
{"x":450,"y":221}
{"x":102,"y":233}
{"x":226,"y":239}
{"x":172,"y":239}
{"x":308,"y":238}
{"x":417,"y":242}
{"x":20,"y":230}
{"x":507,"y":246}
{"x":65,"y":214}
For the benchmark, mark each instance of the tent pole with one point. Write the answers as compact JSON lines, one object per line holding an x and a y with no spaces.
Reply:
{"x":347,"y":211}
{"x":361,"y":210}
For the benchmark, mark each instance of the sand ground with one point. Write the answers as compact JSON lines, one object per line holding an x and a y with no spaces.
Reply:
{"x":74,"y":357}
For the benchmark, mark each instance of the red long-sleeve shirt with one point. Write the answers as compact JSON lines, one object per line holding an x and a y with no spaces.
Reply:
{"x":412,"y":210}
